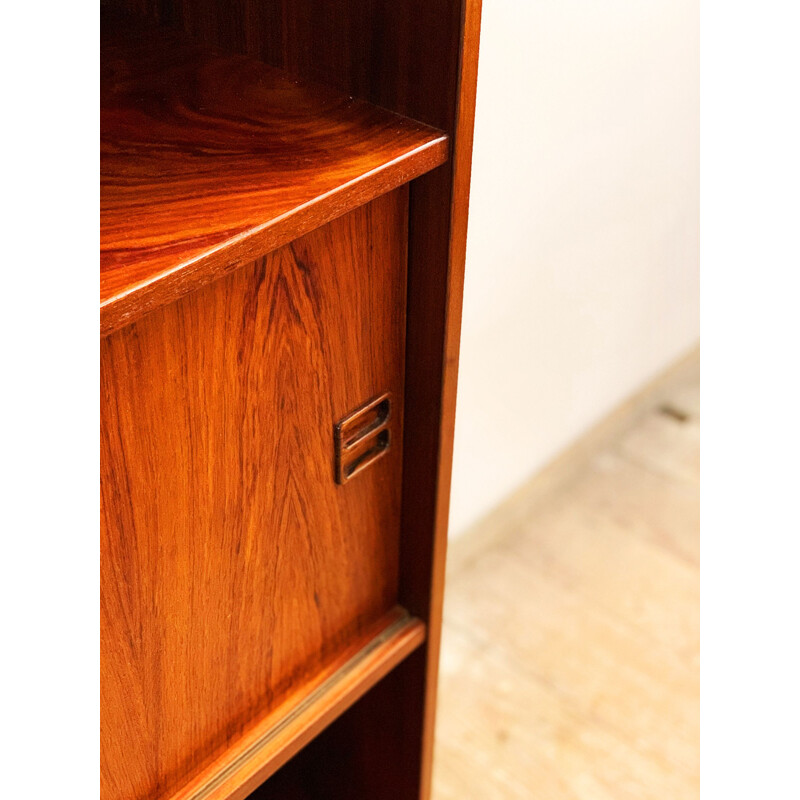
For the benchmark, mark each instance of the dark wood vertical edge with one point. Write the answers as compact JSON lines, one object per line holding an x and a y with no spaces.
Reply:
{"x":431,"y":404}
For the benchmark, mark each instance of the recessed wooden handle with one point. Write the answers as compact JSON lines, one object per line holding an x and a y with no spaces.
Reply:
{"x":362,"y":437}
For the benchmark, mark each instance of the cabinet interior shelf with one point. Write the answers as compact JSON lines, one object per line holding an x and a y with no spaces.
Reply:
{"x":209,"y":160}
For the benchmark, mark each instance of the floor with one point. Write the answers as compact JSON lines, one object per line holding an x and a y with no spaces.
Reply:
{"x":570,"y":654}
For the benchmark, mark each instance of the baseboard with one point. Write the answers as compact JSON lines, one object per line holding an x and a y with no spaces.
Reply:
{"x":510,"y":512}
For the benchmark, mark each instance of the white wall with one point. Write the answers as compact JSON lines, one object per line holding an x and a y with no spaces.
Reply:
{"x":582,"y":256}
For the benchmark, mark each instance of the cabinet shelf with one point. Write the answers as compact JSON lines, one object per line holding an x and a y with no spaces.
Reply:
{"x":278,"y":737}
{"x":211,"y":160}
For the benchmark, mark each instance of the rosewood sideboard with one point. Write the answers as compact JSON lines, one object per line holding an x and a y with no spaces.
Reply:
{"x":284,"y":192}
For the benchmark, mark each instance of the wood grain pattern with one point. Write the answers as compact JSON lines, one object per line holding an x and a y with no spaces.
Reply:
{"x":402,"y":56}
{"x":362,"y":754}
{"x":292,"y":725}
{"x":233,"y":568}
{"x":210,"y":160}
{"x":432,"y":381}
{"x":417,"y":58}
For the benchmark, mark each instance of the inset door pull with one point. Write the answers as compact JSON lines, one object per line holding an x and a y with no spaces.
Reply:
{"x":362,"y":437}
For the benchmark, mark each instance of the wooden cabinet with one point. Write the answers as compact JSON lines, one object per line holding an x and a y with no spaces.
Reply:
{"x":282,"y":247}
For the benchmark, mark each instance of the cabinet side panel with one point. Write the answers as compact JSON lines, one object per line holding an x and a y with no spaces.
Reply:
{"x":233,"y":567}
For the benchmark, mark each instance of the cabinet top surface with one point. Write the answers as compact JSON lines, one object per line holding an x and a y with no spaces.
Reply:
{"x":204,"y":154}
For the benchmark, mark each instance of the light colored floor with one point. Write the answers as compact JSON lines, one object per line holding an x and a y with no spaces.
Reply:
{"x":571,"y":642}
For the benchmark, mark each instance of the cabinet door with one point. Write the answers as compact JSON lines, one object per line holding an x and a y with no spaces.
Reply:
{"x":234,"y":567}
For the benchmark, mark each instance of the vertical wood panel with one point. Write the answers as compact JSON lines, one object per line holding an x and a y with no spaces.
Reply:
{"x":233,"y":567}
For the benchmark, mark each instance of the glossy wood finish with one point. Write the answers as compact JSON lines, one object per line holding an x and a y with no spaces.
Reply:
{"x":343,"y":763}
{"x":362,"y":437}
{"x":234,"y":569}
{"x":278,"y":737}
{"x":211,"y":160}
{"x":433,"y":384}
{"x":417,"y":58}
